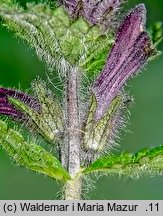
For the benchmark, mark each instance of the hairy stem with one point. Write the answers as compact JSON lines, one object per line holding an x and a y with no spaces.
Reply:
{"x":72,"y":189}
{"x":73,"y":123}
{"x":71,"y":153}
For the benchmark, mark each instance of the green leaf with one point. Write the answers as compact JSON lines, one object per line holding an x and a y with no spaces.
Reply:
{"x":144,"y":161}
{"x":57,"y":39}
{"x":156,"y":32}
{"x":6,"y":2}
{"x":30,"y":155}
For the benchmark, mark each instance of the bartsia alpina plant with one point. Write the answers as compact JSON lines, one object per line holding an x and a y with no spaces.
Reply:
{"x":77,"y":40}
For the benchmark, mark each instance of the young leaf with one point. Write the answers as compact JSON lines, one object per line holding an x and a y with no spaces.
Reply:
{"x":30,"y":155}
{"x":146,"y":160}
{"x":57,"y":39}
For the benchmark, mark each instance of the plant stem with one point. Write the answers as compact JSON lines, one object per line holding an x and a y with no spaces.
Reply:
{"x":72,"y":189}
{"x":73,"y":123}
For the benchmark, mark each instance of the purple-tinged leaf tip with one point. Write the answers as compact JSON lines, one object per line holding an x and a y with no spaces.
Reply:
{"x":130,"y":52}
{"x":95,"y":11}
{"x":6,"y":108}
